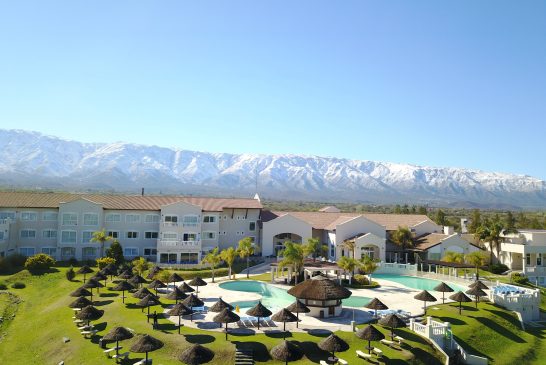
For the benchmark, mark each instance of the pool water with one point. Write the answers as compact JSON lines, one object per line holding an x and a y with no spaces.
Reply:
{"x":414,"y":282}
{"x":275,"y":298}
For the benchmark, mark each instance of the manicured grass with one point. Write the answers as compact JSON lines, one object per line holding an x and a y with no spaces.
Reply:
{"x":495,"y":333}
{"x":43,"y":319}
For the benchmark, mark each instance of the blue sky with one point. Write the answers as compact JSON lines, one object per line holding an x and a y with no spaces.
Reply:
{"x":442,"y":83}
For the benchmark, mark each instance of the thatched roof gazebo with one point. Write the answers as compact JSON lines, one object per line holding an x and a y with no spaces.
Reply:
{"x":84,"y":270}
{"x":123,"y":286}
{"x":369,"y":333}
{"x":136,"y":280}
{"x":191,"y":302}
{"x":82,"y":292}
{"x":376,"y":305}
{"x":460,"y":297}
{"x":286,"y":351}
{"x":176,"y":295}
{"x":226,"y":316}
{"x":259,"y":311}
{"x":147,"y":302}
{"x":197,"y":282}
{"x":100,"y":276}
{"x":186,"y":288}
{"x":142,"y":292}
{"x":179,"y":310}
{"x":118,"y":334}
{"x":126,"y":275}
{"x":443,"y":288}
{"x":220,"y":305}
{"x":174,"y":277}
{"x":322,"y":295}
{"x":89,"y":313}
{"x":425,"y":296}
{"x":476,"y":292}
{"x":92,"y":283}
{"x":392,"y":321}
{"x":284,"y":315}
{"x":333,"y":344}
{"x":196,"y":355}
{"x":80,"y":302}
{"x":146,"y":344}
{"x":298,"y":307}
{"x":479,"y":284}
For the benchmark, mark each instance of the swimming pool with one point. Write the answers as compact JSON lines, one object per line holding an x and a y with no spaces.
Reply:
{"x":275,"y":298}
{"x":415,"y":282}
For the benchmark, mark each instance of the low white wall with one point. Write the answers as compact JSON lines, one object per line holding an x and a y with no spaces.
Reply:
{"x":397,"y":269}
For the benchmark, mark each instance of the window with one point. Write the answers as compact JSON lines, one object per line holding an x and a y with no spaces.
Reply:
{"x":209,"y":235}
{"x":170,"y":235}
{"x":90,"y":219}
{"x":113,"y":218}
{"x":151,"y":235}
{"x":89,"y":251}
{"x":132,"y":235}
{"x":151,"y":218}
{"x":49,"y":234}
{"x":68,"y":252}
{"x":26,"y":251}
{"x":190,"y":220}
{"x":528,"y":259}
{"x":68,"y":237}
{"x":50,"y":216}
{"x":132,"y":218}
{"x":28,"y":233}
{"x":209,"y":219}
{"x":51,"y":251}
{"x":190,"y":237}
{"x":150,"y":252}
{"x":70,"y":219}
{"x":113,"y":234}
{"x":252,"y":226}
{"x":6,"y":215}
{"x":171,"y":219}
{"x":29,"y":216}
{"x":1,"y":235}
{"x":130,"y":251}
{"x":86,"y":236}
{"x":539,"y":259}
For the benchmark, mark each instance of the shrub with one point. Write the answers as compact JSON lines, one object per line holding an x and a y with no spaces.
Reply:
{"x":498,"y":268}
{"x":519,"y":279}
{"x":72,"y":261}
{"x":140,"y":265}
{"x":70,"y":274}
{"x":38,"y":262}
{"x":3,"y":286}
{"x":104,"y":261}
{"x":361,"y":279}
{"x":18,"y":285}
{"x":163,"y":276}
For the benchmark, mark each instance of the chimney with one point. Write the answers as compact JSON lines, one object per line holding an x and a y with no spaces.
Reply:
{"x":142,"y":192}
{"x":449,"y":230}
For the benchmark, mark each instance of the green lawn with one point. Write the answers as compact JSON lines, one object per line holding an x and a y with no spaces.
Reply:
{"x":494,"y":333}
{"x":43,"y":319}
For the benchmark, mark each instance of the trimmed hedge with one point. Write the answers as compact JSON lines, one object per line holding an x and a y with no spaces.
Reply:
{"x":39,"y":262}
{"x":498,"y":268}
{"x":519,"y":279}
{"x":190,"y":274}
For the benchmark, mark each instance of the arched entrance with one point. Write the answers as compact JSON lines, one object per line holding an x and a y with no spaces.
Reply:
{"x":371,"y":251}
{"x":281,"y":238}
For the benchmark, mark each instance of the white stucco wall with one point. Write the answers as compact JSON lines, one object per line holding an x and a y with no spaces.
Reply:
{"x":283,"y":224}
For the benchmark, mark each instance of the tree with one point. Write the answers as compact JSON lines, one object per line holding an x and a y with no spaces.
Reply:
{"x":368,"y":266}
{"x":475,"y":221}
{"x":402,"y":237}
{"x":101,"y":237}
{"x":292,"y":255}
{"x":397,"y":209}
{"x":491,"y":231}
{"x":440,"y":218}
{"x":351,"y":246}
{"x":455,"y":257}
{"x":102,"y":262}
{"x":229,"y":255}
{"x":477,"y":259}
{"x":140,"y":265}
{"x":213,"y":259}
{"x":510,"y":222}
{"x":422,"y":210}
{"x":348,"y":264}
{"x":312,"y":247}
{"x":115,"y":251}
{"x":245,"y":250}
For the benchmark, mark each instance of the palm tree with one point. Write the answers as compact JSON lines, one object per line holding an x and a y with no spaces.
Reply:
{"x":348,"y":264}
{"x":477,"y":259}
{"x":101,"y":237}
{"x":213,"y":259}
{"x":402,"y":237}
{"x":312,"y":247}
{"x":245,"y":250}
{"x":368,"y":265}
{"x":351,"y":246}
{"x":292,"y":255}
{"x":491,"y":231}
{"x":451,"y":256}
{"x":229,"y":255}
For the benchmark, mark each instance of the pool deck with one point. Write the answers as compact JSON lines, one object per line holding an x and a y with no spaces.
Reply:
{"x":394,"y":295}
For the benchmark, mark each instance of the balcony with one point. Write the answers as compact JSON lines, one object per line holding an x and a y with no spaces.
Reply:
{"x":179,"y":244}
{"x":186,"y":224}
{"x":535,"y":270}
{"x":170,"y":224}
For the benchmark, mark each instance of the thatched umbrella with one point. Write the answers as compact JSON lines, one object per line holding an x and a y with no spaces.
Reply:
{"x":110,"y":269}
{"x":476,"y":292}
{"x":123,"y":286}
{"x":286,"y":351}
{"x":479,"y":284}
{"x":444,"y":288}
{"x":259,"y":311}
{"x":192,"y":301}
{"x":92,"y":283}
{"x":226,"y":316}
{"x":82,"y":292}
{"x":333,"y":344}
{"x":136,"y":280}
{"x":174,"y":277}
{"x":179,"y":310}
{"x":147,"y":302}
{"x":196,"y":354}
{"x":126,"y":275}
{"x":186,"y":288}
{"x":143,"y":292}
{"x":84,"y":270}
{"x":156,"y":284}
{"x":298,"y":307}
{"x":197,"y":282}
{"x":220,"y":305}
{"x":370,"y":333}
{"x":376,"y":305}
{"x":118,"y":334}
{"x":425,"y":296}
{"x":176,"y":295}
{"x":284,"y":315}
{"x":100,"y":276}
{"x":460,"y":297}
{"x":392,"y":321}
{"x":153,"y":271}
{"x":146,"y":344}
{"x":80,"y":303}
{"x":89,"y":313}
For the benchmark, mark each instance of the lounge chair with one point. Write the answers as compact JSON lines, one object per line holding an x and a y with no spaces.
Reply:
{"x":377,"y":351}
{"x":142,"y":362}
{"x":342,"y":362}
{"x":399,"y":339}
{"x":125,"y":355}
{"x":322,"y":362}
{"x":363,"y":355}
{"x":89,"y":333}
{"x":387,"y":342}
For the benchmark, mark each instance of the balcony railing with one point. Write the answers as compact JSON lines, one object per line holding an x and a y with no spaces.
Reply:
{"x":187,"y":224}
{"x":170,"y":224}
{"x":541,"y":270}
{"x":179,"y":244}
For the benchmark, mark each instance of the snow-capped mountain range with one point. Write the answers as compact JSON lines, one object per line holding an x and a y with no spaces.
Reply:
{"x":34,"y":160}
